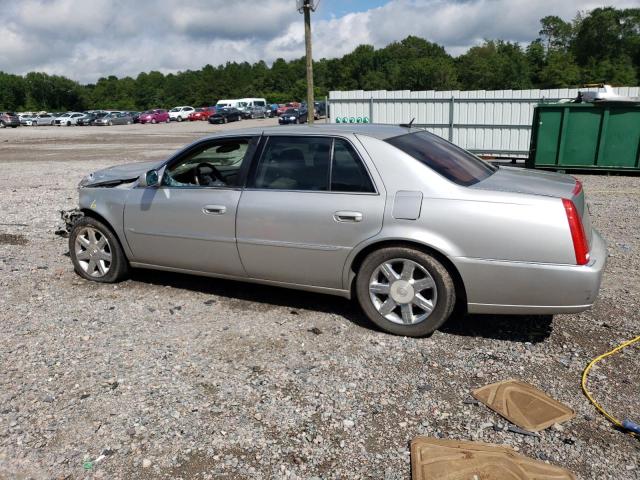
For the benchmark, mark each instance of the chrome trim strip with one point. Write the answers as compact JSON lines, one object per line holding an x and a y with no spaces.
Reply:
{"x":304,"y":246}
{"x":187,"y":237}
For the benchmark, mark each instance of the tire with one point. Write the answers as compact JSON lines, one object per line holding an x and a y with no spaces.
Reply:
{"x":68,"y":124}
{"x":168,"y":120}
{"x":128,"y":122}
{"x":116,"y":269}
{"x":441,"y":290}
{"x":2,"y":124}
{"x":179,"y":119}
{"x":225,"y":120}
{"x":110,"y":123}
{"x":154,"y":121}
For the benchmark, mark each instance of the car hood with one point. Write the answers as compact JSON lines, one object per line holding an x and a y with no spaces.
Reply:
{"x":118,"y":174}
{"x":536,"y":182}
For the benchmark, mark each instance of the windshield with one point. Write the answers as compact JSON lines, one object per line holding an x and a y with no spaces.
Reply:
{"x":175,"y":109}
{"x":290,"y":110}
{"x":445,"y":158}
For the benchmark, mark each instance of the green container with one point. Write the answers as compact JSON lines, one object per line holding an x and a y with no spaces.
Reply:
{"x":586,"y":136}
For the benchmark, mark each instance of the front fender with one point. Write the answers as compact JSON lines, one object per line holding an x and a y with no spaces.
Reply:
{"x":107,"y":204}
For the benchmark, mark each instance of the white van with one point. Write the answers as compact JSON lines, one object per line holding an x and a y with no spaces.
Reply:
{"x":239,"y":104}
{"x":254,"y":102}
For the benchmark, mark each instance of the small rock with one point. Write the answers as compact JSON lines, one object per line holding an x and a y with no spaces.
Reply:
{"x":146,"y":463}
{"x":348,"y":423}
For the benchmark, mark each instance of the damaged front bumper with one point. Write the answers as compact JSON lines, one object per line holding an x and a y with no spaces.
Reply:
{"x":69,"y":219}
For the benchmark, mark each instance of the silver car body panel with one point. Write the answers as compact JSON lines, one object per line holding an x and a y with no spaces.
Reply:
{"x":507,"y":236}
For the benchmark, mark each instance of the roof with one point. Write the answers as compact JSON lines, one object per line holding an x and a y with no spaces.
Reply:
{"x":379,"y":131}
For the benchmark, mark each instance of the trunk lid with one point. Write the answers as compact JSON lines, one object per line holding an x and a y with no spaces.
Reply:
{"x":537,"y":182}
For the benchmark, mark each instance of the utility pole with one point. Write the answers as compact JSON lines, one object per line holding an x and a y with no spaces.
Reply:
{"x":306,"y":7}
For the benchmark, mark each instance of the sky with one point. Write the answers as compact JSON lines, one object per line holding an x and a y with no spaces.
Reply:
{"x":88,"y":39}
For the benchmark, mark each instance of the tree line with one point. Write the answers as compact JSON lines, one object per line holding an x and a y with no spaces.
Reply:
{"x":602,"y":45}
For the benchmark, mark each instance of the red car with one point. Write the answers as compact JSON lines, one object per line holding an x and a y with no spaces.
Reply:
{"x":284,"y":108}
{"x":154,"y":116}
{"x":202,"y":113}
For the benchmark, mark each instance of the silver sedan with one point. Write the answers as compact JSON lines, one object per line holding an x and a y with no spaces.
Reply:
{"x":406,"y":222}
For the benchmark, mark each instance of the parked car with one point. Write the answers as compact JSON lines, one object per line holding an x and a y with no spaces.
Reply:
{"x":43,"y":119}
{"x":26,"y":120}
{"x":293,"y":115}
{"x":87,"y":119}
{"x":226,"y":115}
{"x":408,"y":223}
{"x":68,"y":119}
{"x":202,"y":113}
{"x":9,"y":119}
{"x":114,"y":118}
{"x":180,"y":113}
{"x":320,"y":110}
{"x":287,"y":106}
{"x":157,"y":115}
{"x":258,"y":112}
{"x":135,"y":116}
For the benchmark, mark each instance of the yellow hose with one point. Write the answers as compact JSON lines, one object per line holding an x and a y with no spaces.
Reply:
{"x":585,"y":374}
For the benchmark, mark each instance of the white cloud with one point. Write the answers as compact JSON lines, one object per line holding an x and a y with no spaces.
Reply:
{"x":86,"y":39}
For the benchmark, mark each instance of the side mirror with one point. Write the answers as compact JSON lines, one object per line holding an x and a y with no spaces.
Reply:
{"x":150,"y":179}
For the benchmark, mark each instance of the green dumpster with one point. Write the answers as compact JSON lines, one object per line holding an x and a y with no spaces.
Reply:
{"x":586,"y":136}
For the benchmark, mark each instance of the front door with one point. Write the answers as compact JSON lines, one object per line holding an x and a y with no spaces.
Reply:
{"x":188,"y":222}
{"x":309,"y":201}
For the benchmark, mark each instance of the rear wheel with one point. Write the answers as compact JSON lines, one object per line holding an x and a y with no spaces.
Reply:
{"x":96,"y":253}
{"x":154,"y":121}
{"x":405,"y":291}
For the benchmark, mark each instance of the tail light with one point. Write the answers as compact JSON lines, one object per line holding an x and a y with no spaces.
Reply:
{"x":580,"y":244}
{"x":577,"y":188}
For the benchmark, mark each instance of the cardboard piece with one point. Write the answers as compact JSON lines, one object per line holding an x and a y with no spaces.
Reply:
{"x":435,"y":459}
{"x":523,"y":404}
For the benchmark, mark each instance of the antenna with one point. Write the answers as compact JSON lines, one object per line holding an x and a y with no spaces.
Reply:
{"x":408,"y":125}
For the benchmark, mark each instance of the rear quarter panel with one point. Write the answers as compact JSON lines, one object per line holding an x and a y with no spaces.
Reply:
{"x":464,"y":222}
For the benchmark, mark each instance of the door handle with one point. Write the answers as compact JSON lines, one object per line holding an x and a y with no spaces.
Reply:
{"x":344,"y":216}
{"x":214,"y":209}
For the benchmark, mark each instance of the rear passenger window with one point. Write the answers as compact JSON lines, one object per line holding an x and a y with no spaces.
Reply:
{"x":294,"y":163}
{"x":348,"y":173}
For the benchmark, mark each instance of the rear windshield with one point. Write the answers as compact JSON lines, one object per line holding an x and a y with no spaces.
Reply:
{"x":445,"y":158}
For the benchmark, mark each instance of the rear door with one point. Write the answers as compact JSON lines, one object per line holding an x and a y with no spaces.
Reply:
{"x":309,"y":201}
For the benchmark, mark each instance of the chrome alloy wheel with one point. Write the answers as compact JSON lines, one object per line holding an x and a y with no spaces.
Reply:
{"x":93,"y":252}
{"x":403,"y":291}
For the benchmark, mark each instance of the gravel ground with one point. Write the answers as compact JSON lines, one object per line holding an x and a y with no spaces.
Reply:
{"x":171,"y":376}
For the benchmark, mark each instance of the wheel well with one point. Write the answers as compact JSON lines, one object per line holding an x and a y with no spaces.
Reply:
{"x":93,"y":214}
{"x":461,"y":293}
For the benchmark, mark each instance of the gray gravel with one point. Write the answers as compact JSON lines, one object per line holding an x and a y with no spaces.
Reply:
{"x":171,"y":376}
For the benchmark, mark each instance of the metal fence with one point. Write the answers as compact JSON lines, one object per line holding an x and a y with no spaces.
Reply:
{"x":494,"y":122}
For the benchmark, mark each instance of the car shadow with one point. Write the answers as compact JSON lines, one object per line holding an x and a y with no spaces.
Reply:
{"x":522,"y":328}
{"x":515,"y":328}
{"x":258,"y":294}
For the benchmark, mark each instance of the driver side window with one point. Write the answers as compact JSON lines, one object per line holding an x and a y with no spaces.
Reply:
{"x":212,"y":164}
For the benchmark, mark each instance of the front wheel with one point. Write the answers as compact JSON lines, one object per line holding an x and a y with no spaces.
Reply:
{"x":96,"y":252}
{"x":2,"y":124}
{"x":154,"y":121}
{"x":179,"y":119}
{"x":405,"y":291}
